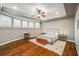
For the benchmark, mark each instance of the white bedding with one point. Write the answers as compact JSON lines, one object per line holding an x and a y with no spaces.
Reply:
{"x":49,"y":38}
{"x":51,"y":35}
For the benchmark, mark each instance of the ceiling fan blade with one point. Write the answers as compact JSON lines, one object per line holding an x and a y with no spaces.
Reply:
{"x":40,"y":13}
{"x":44,"y":15}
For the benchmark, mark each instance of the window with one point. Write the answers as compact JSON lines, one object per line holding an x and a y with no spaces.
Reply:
{"x":24,"y":24}
{"x":31,"y":24}
{"x":5,"y":21}
{"x":16,"y":23}
{"x":37,"y":25}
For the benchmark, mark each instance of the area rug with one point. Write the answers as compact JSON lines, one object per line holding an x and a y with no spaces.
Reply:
{"x":57,"y":47}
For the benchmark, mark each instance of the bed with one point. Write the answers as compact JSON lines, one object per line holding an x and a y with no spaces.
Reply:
{"x":51,"y":35}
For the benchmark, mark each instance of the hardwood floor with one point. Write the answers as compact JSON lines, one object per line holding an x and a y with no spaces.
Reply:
{"x":70,"y":49}
{"x":27,"y":48}
{"x":24,"y":48}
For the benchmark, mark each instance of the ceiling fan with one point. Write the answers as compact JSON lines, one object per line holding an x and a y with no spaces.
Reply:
{"x":40,"y":13}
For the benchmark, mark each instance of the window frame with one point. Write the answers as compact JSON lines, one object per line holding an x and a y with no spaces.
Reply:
{"x":26,"y":22}
{"x":10,"y":22}
{"x":38,"y":23}
{"x":20,"y":23}
{"x":32,"y":25}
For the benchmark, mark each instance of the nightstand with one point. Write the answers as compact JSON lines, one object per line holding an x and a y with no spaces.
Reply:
{"x":62,"y":37}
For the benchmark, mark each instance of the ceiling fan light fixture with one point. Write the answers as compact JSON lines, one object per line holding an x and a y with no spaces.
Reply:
{"x":40,"y":13}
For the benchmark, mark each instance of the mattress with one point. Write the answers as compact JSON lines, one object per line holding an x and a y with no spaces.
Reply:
{"x":49,"y":38}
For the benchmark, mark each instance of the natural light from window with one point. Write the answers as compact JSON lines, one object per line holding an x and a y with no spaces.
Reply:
{"x":31,"y":24}
{"x":5,"y":21}
{"x":37,"y":25}
{"x":16,"y":23}
{"x":24,"y":24}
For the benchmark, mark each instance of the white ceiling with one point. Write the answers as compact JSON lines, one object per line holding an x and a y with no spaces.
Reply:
{"x":53,"y":10}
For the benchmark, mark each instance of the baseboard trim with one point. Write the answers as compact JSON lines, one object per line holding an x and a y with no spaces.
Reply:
{"x":10,"y":41}
{"x":71,"y":41}
{"x":22,"y":38}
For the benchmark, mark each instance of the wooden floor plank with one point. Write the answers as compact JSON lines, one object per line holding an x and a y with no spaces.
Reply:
{"x":70,"y":49}
{"x":26,"y":48}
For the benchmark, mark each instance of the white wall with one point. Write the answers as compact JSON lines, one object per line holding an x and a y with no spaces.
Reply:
{"x":77,"y":30}
{"x":66,"y":24}
{"x":9,"y":34}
